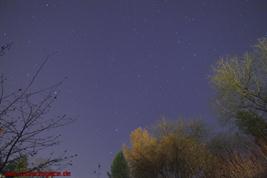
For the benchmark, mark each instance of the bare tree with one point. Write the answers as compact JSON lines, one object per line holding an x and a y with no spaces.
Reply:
{"x":25,"y":123}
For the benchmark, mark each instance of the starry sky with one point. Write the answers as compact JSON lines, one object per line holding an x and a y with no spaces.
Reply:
{"x":127,"y":62}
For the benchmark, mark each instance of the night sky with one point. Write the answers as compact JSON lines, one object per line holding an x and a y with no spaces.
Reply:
{"x":127,"y":62}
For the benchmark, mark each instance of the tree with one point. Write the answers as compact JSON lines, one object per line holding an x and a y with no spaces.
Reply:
{"x":236,"y":156}
{"x":119,"y":167}
{"x":241,"y":86}
{"x":142,"y":157}
{"x":26,"y":124}
{"x":21,"y":165}
{"x":175,"y":151}
{"x":187,"y":149}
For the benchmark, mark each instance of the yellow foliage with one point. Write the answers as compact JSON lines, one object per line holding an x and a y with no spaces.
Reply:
{"x":174,"y":152}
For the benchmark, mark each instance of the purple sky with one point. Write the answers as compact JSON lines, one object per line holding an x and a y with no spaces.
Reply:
{"x":128,"y":62}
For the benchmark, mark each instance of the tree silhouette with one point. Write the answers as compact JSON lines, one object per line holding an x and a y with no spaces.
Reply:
{"x":25,"y":123}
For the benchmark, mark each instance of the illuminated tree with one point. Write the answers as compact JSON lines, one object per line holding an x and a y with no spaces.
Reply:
{"x":236,"y":156}
{"x":241,"y":86}
{"x":142,"y":156}
{"x":174,"y":151}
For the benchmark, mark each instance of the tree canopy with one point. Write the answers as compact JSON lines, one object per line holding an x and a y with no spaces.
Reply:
{"x":241,"y":87}
{"x":119,"y":167}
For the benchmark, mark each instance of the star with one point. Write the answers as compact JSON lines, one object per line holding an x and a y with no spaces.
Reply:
{"x":155,"y":67}
{"x":145,"y":20}
{"x":29,"y":41}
